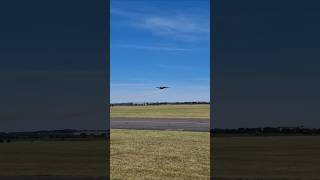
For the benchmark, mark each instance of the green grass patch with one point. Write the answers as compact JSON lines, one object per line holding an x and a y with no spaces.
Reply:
{"x":137,"y":154}
{"x":55,"y":158}
{"x":282,"y":157}
{"x":162,"y":111}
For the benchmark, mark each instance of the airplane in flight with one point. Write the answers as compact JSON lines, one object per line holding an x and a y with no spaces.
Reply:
{"x":162,"y":87}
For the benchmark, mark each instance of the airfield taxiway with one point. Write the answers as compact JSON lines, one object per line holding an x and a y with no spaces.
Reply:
{"x":185,"y":124}
{"x":51,"y":178}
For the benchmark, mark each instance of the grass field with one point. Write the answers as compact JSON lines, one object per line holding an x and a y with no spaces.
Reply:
{"x":295,"y":157}
{"x":134,"y":155}
{"x":162,"y":111}
{"x":56,"y":158}
{"x":159,"y":155}
{"x":167,"y":155}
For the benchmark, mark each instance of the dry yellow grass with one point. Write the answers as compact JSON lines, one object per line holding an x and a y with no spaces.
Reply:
{"x":137,"y":154}
{"x":53,"y":158}
{"x":162,"y":111}
{"x":279,"y":157}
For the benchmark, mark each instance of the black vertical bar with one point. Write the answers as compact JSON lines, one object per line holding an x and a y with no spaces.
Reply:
{"x":211,"y":86}
{"x":108,"y":85}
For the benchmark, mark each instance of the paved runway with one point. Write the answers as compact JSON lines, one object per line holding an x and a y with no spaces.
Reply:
{"x":51,"y":178}
{"x":161,"y":124}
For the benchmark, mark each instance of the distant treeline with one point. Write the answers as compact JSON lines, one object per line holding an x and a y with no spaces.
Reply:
{"x":157,"y":103}
{"x":299,"y":130}
{"x":67,"y":134}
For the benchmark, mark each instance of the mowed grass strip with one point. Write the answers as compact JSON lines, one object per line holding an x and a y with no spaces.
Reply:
{"x":201,"y":111}
{"x":54,"y":158}
{"x":142,"y":154}
{"x":281,"y":157}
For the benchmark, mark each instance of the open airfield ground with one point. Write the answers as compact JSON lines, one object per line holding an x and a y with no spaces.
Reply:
{"x":197,"y":111}
{"x":234,"y":158}
{"x":135,"y":154}
{"x":142,"y":154}
{"x":162,"y":117}
{"x":184,"y":124}
{"x":154,"y":154}
{"x":53,"y":160}
{"x":266,"y":158}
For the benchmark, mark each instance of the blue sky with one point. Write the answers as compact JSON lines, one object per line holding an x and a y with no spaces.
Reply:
{"x":160,"y":43}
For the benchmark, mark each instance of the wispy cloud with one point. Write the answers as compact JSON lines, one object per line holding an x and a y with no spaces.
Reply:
{"x":181,"y":26}
{"x":176,"y":67}
{"x":124,"y":13}
{"x":130,"y":85}
{"x":150,"y":47}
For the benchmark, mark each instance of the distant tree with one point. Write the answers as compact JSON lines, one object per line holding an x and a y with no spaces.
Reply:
{"x":83,"y":135}
{"x":8,"y":140}
{"x":1,"y":140}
